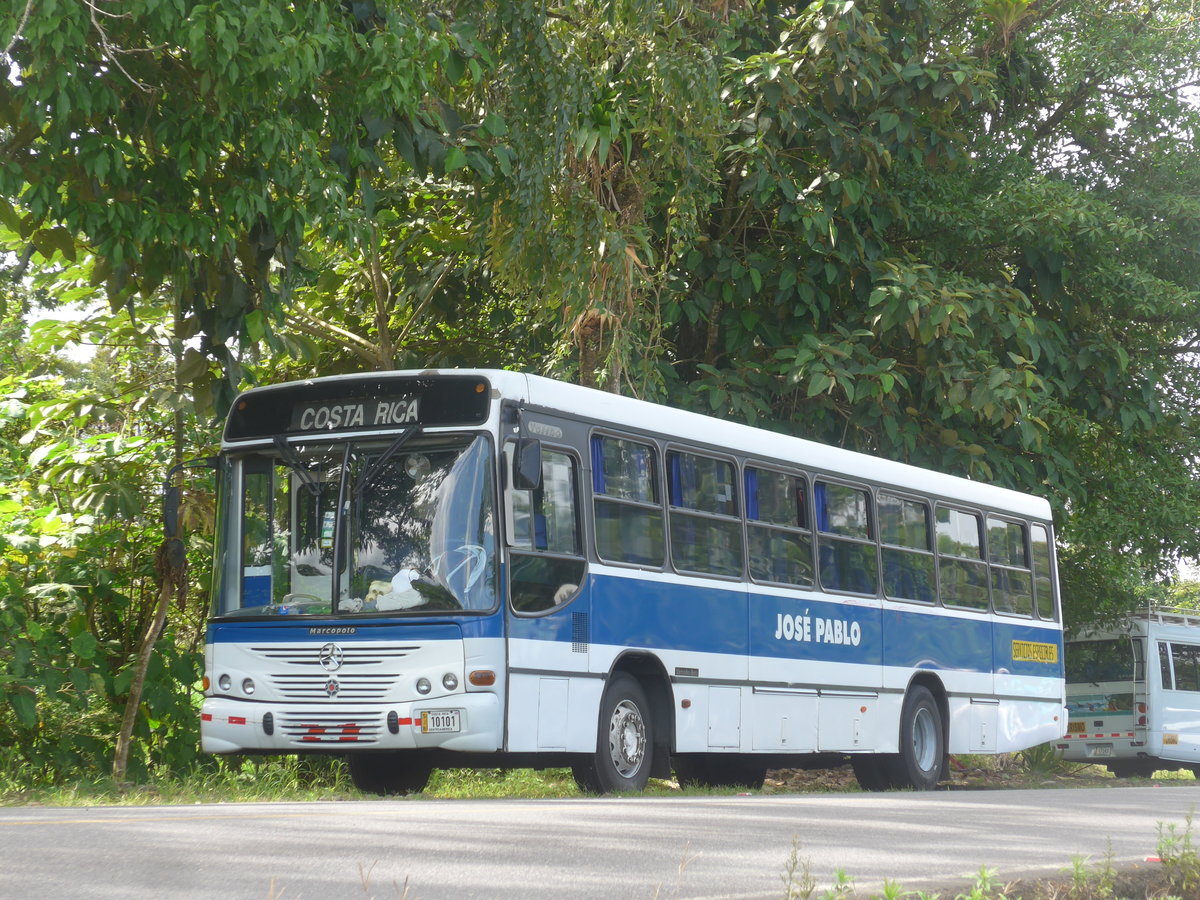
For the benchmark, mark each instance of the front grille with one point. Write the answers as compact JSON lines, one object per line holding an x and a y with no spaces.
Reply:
{"x":364,"y":671}
{"x":340,"y":727}
{"x":317,"y":686}
{"x":352,"y":654}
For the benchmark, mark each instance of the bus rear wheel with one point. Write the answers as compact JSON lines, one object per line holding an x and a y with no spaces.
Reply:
{"x":624,"y":742}
{"x":922,"y":755}
{"x":389,"y":773}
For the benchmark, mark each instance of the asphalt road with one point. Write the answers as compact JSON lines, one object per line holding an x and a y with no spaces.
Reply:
{"x":693,"y":847}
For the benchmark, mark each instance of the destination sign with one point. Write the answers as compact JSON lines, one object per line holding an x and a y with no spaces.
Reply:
{"x":372,"y":402}
{"x":335,"y":415}
{"x":1033,"y":651}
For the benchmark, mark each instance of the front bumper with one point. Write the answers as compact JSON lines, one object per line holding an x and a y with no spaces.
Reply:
{"x":244,"y":726}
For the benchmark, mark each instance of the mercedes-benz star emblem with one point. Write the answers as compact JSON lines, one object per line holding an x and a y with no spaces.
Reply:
{"x":330,"y":657}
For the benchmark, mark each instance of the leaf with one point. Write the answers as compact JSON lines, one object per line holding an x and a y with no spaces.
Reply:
{"x":84,"y":645}
{"x":819,"y":384}
{"x":455,"y":159}
{"x":25,"y":707}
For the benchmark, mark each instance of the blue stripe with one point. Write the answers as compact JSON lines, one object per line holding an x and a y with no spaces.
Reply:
{"x":294,"y":631}
{"x":671,"y":616}
{"x":714,"y":619}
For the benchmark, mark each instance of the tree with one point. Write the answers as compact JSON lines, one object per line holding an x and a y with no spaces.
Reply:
{"x":192,"y":145}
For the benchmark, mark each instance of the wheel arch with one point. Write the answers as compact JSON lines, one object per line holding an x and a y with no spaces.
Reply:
{"x":652,"y":676}
{"x":932,"y":683}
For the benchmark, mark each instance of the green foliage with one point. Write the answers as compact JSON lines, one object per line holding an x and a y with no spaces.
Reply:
{"x":193,"y":144}
{"x":961,"y":234}
{"x":77,"y":570}
{"x":1179,"y":856}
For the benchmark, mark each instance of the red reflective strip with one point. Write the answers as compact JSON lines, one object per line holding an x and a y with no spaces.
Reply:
{"x":205,"y":717}
{"x":237,"y":720}
{"x":408,"y":722}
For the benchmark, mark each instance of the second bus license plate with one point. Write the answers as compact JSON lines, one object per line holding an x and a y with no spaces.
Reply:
{"x":440,"y":720}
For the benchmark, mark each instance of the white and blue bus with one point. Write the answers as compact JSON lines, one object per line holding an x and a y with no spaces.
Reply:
{"x":424,"y":569}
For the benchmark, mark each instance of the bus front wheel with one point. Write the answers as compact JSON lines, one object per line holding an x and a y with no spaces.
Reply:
{"x":389,"y":773}
{"x":624,"y":743}
{"x":922,"y":743}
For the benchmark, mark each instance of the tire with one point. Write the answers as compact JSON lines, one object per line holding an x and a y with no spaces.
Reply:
{"x":691,"y":770}
{"x":624,"y":741}
{"x":873,"y":771}
{"x":922,"y":757}
{"x":1133,"y":768}
{"x":719,"y":770}
{"x":389,"y":773}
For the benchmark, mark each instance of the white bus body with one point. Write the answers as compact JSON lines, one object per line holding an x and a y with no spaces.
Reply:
{"x":1133,"y":695}
{"x":448,"y":568}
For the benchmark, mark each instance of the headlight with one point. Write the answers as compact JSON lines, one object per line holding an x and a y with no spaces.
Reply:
{"x":450,"y":681}
{"x":248,"y":686}
{"x":423,"y":686}
{"x":224,"y":682}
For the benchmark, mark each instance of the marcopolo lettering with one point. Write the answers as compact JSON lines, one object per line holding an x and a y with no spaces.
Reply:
{"x":817,"y":630}
{"x":337,"y":414}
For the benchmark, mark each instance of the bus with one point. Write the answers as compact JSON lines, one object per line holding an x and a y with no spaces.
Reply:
{"x":1136,"y":719}
{"x":440,"y":569}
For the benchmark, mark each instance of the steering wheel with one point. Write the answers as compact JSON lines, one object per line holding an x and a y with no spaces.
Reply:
{"x":289,"y":597}
{"x":474,"y":559}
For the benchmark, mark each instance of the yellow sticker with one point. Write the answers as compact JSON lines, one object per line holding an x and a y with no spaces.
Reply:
{"x":1031,"y":651}
{"x":1170,"y":740}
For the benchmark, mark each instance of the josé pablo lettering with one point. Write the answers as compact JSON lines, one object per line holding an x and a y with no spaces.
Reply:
{"x":817,"y":630}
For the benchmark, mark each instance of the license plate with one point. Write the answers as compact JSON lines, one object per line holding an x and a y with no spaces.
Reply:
{"x":1099,"y":750}
{"x":440,"y":720}
{"x":1076,"y":727}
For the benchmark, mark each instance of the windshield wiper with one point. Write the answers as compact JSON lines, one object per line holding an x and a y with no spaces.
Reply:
{"x":372,"y":471}
{"x":292,"y":458}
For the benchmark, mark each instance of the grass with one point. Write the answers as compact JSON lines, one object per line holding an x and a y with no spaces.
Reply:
{"x":1176,"y":878}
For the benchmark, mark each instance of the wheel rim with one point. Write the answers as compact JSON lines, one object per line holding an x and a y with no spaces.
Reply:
{"x":627,"y":739}
{"x":925,"y":739}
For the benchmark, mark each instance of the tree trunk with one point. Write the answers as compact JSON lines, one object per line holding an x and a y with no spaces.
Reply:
{"x":171,"y":570}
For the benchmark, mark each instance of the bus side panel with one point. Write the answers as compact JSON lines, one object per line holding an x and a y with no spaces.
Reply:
{"x":816,"y":662}
{"x":696,"y":631}
{"x":553,"y":700}
{"x":1177,"y":724}
{"x":1029,"y":671}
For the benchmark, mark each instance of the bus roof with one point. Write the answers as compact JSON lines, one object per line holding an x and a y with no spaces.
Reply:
{"x":629,"y":413}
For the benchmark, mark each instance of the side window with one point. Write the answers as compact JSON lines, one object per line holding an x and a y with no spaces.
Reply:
{"x":962,"y":572}
{"x":1043,"y":579}
{"x":845,"y":546}
{"x":1012,"y":582}
{"x":1185,"y":659}
{"x":547,"y":548}
{"x":706,"y":528}
{"x":628,"y":502}
{"x":777,"y":527}
{"x":258,"y":535}
{"x":907,"y":548}
{"x":1164,"y":666}
{"x":548,"y":518}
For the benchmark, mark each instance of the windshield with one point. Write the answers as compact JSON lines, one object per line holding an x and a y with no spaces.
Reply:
{"x":417,"y":533}
{"x":1096,"y":662}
